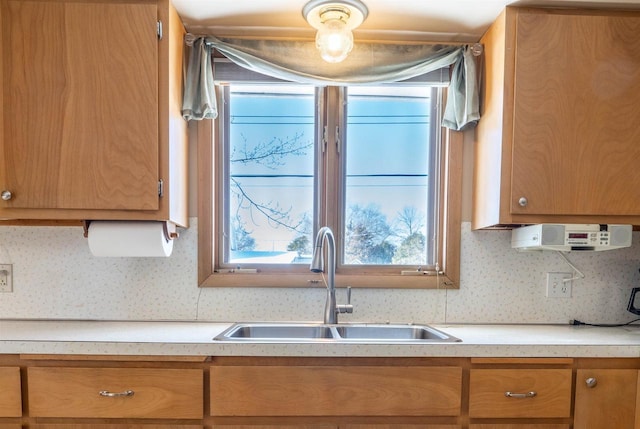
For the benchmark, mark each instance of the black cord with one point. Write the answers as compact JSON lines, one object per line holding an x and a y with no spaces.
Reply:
{"x":575,"y":322}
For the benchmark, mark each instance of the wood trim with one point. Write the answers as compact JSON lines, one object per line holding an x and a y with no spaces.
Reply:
{"x":522,"y":361}
{"x":38,"y":222}
{"x":637,"y":423}
{"x":114,"y":358}
{"x":451,"y":213}
{"x":450,"y":218}
{"x":205,"y":205}
{"x":404,"y":362}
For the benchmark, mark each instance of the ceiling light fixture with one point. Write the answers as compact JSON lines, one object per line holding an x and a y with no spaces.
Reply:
{"x":334,"y":21}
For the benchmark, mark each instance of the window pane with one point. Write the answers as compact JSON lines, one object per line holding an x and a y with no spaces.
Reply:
{"x":270,"y":184}
{"x":389,"y":218}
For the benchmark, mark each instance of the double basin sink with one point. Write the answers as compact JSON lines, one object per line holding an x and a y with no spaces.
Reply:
{"x":343,"y":333}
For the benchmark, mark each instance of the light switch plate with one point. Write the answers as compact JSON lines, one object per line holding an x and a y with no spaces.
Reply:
{"x":556,"y":287}
{"x":6,"y":278}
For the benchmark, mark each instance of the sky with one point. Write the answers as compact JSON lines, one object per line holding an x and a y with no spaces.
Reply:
{"x":386,"y":153}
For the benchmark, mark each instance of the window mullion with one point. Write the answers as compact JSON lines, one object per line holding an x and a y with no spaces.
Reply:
{"x":333,"y":195}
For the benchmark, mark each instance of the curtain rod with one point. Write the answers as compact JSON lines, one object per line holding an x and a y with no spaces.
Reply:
{"x":476,"y":48}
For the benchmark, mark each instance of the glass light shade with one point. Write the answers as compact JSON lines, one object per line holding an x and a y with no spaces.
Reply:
{"x":334,"y":41}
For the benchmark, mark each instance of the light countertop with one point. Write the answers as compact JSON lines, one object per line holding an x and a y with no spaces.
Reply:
{"x":196,"y":339}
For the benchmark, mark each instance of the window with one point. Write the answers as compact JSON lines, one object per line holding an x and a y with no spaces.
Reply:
{"x":371,"y":162}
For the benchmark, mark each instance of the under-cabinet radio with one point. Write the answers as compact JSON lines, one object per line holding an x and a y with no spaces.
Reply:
{"x":566,"y":237}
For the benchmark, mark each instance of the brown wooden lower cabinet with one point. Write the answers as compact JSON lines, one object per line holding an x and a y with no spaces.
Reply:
{"x":319,"y":393}
{"x":116,"y":393}
{"x":520,"y":393}
{"x":275,"y":427}
{"x":400,"y":426}
{"x":343,"y":426}
{"x":114,"y":426}
{"x":10,"y":389}
{"x":598,"y":391}
{"x":519,"y":426}
{"x":341,"y":390}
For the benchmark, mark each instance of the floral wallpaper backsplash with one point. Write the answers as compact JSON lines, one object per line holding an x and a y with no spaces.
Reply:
{"x":56,"y":277}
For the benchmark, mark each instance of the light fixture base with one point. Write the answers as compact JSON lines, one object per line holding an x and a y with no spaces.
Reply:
{"x":356,"y":12}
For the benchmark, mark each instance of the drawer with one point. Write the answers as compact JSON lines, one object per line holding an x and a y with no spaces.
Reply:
{"x":279,"y":426}
{"x":335,"y":391}
{"x":402,"y":426}
{"x":112,"y":426}
{"x":10,"y":392}
{"x":116,"y":392}
{"x":488,"y":387}
{"x":519,"y":426}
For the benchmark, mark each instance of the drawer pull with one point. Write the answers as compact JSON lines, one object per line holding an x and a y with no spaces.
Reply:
{"x":108,"y":394}
{"x":520,"y":395}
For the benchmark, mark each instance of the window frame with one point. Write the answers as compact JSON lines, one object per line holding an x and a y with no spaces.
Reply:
{"x":448,"y":217}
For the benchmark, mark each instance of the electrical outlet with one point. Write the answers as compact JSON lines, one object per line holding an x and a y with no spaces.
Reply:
{"x":6,"y":278}
{"x":557,"y":287}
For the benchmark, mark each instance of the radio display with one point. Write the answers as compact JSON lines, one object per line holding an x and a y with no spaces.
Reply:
{"x":579,"y":235}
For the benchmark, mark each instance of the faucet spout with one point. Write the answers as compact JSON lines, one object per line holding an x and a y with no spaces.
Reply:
{"x":325,"y":235}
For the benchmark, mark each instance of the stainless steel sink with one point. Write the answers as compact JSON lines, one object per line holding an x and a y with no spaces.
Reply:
{"x":343,"y":333}
{"x":276,"y":331}
{"x":392,"y":333}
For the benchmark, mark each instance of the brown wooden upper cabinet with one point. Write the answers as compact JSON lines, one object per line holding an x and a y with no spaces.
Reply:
{"x":558,"y":138}
{"x":91,"y":125}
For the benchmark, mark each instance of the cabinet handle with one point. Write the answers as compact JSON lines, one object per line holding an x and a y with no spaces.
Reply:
{"x":6,"y":195}
{"x":523,"y":202}
{"x":591,"y":382}
{"x":108,"y":394}
{"x":520,"y":395}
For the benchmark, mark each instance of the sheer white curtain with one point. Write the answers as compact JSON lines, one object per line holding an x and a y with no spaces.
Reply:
{"x":367,"y":63}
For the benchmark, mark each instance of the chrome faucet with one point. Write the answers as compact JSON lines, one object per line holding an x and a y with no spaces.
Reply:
{"x":331,"y":309}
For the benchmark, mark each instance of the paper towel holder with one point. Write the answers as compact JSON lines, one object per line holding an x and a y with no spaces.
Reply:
{"x":170,"y":230}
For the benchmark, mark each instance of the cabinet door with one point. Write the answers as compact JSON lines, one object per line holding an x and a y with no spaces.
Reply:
{"x":79,"y":97}
{"x":335,"y":391}
{"x":10,"y":392}
{"x":576,"y":115}
{"x":606,"y":398}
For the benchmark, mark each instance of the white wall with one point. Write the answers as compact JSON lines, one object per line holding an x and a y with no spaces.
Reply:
{"x":55,"y":276}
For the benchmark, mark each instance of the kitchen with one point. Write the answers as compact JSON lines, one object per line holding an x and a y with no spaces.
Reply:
{"x":55,"y":277}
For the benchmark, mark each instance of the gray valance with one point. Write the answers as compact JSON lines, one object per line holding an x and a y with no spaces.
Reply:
{"x":368,"y":63}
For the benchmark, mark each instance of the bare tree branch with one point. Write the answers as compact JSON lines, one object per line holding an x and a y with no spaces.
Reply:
{"x":271,"y":154}
{"x":273,"y":213}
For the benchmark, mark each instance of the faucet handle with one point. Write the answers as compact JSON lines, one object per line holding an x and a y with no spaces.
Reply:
{"x":346,"y":308}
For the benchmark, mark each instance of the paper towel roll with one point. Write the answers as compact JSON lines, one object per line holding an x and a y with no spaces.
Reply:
{"x":129,"y":239}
